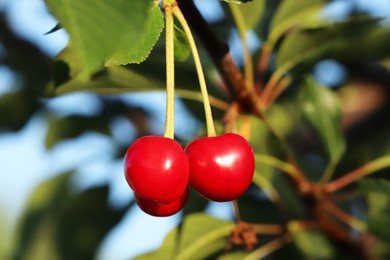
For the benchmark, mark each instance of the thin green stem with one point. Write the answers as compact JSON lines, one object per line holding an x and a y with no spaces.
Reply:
{"x":367,"y":169}
{"x":196,"y":96}
{"x":288,"y":168}
{"x":268,"y":248}
{"x":169,"y":131}
{"x":274,"y":162}
{"x":243,"y":30}
{"x":202,"y":82}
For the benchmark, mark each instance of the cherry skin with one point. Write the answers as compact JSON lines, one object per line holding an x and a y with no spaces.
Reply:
{"x":157,"y":169}
{"x":161,"y":210}
{"x":222,"y":167}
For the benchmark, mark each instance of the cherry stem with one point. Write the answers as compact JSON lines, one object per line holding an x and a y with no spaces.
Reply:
{"x":367,"y":169}
{"x":202,"y":82}
{"x":169,"y":131}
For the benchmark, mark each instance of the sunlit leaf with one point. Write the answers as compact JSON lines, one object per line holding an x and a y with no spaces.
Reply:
{"x":322,"y":108}
{"x":198,"y":237}
{"x":99,"y":28}
{"x":314,"y":244}
{"x":252,"y":12}
{"x":291,"y":14}
{"x":139,"y":51}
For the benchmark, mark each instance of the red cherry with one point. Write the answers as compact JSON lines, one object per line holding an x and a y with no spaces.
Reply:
{"x":157,"y":169}
{"x":222,"y":167}
{"x":161,"y":210}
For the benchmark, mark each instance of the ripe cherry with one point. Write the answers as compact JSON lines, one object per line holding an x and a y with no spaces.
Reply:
{"x":157,"y":169}
{"x":222,"y":167}
{"x":162,"y":210}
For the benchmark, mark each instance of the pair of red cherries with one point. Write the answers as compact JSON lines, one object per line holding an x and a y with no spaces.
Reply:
{"x":158,"y":170}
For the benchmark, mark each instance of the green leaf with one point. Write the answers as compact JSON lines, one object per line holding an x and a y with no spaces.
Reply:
{"x":60,"y":223}
{"x":20,"y":107}
{"x":291,"y":14}
{"x":85,"y":222}
{"x":200,"y":236}
{"x":139,"y":51}
{"x":327,"y":40}
{"x":305,"y":47}
{"x":115,"y":80}
{"x":252,"y":13}
{"x":73,"y":126}
{"x":35,"y":234}
{"x":99,"y":28}
{"x":182,"y":48}
{"x":322,"y":108}
{"x":314,"y":244}
{"x":379,"y":226}
{"x":375,"y":185}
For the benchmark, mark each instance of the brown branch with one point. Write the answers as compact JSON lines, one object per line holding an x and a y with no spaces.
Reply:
{"x":219,"y":53}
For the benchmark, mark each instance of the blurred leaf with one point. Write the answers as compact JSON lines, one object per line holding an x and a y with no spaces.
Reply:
{"x":308,"y":45}
{"x":252,"y":13}
{"x":85,"y":222}
{"x":291,"y":14}
{"x":375,"y":185}
{"x":314,"y":244}
{"x":200,"y":236}
{"x":35,"y":237}
{"x":58,"y":223}
{"x":379,"y":226}
{"x":304,"y":47}
{"x":73,"y":126}
{"x":94,"y":36}
{"x":378,"y":201}
{"x":322,"y":108}
{"x":182,"y":48}
{"x":140,"y":50}
{"x":370,"y":46}
{"x":16,"y":109}
{"x":288,"y":197}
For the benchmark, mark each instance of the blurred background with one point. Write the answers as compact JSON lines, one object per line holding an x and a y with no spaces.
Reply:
{"x":28,"y":157}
